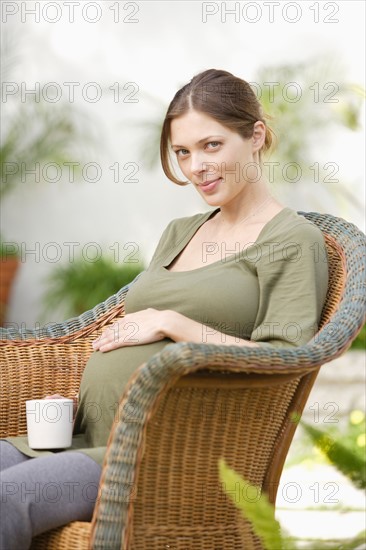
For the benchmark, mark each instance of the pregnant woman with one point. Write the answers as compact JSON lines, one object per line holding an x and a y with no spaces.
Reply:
{"x":248,"y":272}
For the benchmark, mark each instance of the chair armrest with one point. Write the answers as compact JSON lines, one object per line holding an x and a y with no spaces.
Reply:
{"x":151,"y":381}
{"x":35,"y":363}
{"x":71,"y":329}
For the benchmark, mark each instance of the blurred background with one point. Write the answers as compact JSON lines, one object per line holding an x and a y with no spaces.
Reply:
{"x":84,"y":201}
{"x":84,"y":92}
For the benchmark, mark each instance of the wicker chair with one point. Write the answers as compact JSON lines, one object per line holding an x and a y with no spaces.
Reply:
{"x":189,"y":405}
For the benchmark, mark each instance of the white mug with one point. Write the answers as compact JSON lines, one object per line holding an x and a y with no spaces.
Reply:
{"x":49,"y":423}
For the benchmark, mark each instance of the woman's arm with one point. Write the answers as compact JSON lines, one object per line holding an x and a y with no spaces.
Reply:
{"x":151,"y":325}
{"x":180,"y":328}
{"x":293,"y":281}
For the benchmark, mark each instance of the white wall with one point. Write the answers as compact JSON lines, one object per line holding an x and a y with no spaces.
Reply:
{"x":162,"y":51}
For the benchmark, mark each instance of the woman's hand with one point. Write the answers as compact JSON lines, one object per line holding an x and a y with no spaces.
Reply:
{"x":75,"y":401}
{"x":141,"y":327}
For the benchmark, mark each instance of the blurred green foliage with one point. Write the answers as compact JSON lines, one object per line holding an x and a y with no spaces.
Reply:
{"x":259,"y":511}
{"x":8,"y":250}
{"x":344,"y":448}
{"x":301,"y":98}
{"x":81,"y":285}
{"x":359,"y":343}
{"x":35,"y":132}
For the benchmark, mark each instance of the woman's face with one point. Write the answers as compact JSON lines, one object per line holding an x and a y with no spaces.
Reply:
{"x":219,"y":162}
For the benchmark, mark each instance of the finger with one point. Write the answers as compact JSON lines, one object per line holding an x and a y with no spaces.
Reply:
{"x":102,"y":339}
{"x":107,"y":346}
{"x":98,"y":339}
{"x":54,"y":396}
{"x":100,"y":343}
{"x":111,"y":345}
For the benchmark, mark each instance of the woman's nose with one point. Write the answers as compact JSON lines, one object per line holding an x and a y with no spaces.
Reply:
{"x":197,"y":164}
{"x":201,"y":165}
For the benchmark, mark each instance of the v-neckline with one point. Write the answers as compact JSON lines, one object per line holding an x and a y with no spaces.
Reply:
{"x":189,"y":236}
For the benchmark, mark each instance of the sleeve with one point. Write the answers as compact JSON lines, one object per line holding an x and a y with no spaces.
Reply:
{"x":293,"y":283}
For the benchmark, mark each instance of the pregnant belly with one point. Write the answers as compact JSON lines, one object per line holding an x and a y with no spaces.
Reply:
{"x":104,"y":379}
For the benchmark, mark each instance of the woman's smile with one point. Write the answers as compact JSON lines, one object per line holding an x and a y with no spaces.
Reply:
{"x":211,"y":185}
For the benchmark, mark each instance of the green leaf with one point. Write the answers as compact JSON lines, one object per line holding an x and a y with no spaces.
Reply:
{"x":259,"y":512}
{"x":344,"y":459}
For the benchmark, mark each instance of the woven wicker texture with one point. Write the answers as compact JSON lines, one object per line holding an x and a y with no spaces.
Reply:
{"x":178,"y":414}
{"x":74,"y":536}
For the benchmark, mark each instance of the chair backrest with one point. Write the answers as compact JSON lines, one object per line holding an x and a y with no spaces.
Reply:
{"x":245,"y":418}
{"x":337,"y":270}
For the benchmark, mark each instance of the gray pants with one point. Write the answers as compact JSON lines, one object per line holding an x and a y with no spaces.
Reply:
{"x":38,"y":494}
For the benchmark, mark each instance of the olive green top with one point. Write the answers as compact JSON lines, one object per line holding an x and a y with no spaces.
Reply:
{"x":271,"y":291}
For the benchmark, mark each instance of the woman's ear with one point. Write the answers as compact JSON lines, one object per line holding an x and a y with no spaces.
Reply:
{"x":259,"y":135}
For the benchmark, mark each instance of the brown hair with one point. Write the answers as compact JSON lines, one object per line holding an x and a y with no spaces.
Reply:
{"x":221,"y":95}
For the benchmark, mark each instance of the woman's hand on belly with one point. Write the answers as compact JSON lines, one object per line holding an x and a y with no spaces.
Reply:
{"x":141,"y":327}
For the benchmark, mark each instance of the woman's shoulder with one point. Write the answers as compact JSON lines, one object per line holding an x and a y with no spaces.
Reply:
{"x":289,"y":224}
{"x":291,"y":237}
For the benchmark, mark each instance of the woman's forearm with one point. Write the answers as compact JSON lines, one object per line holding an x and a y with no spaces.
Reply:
{"x":179,"y":328}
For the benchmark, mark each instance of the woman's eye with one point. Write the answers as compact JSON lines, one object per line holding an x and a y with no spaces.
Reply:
{"x":209,"y":145}
{"x":180,"y":152}
{"x":215,"y":144}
